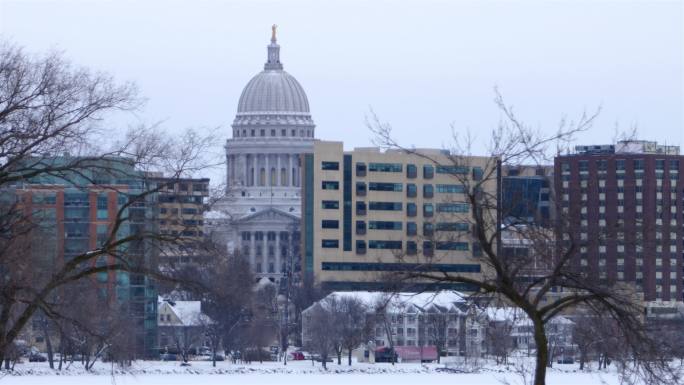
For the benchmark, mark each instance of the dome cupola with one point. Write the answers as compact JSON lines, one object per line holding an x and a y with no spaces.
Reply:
{"x":273,"y":99}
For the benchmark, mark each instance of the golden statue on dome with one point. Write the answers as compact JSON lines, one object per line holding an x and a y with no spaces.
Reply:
{"x":273,"y":32}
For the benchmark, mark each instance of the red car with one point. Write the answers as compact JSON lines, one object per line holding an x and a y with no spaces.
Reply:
{"x":297,"y":356}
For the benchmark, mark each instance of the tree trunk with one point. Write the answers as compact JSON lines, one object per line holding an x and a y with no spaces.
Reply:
{"x":349,"y":354}
{"x":542,"y":351}
{"x":48,"y":344}
{"x":339,"y":356}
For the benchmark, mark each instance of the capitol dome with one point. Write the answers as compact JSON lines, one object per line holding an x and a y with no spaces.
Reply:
{"x":273,"y":98}
{"x":273,"y":91}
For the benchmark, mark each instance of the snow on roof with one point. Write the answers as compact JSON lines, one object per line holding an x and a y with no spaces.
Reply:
{"x":188,"y":312}
{"x":399,"y":301}
{"x":216,"y":214}
{"x":518,"y":317}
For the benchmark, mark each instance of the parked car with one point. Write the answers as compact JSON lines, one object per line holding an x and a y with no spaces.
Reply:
{"x":208,"y":357}
{"x":168,"y":357}
{"x":385,"y":354}
{"x":317,"y":358}
{"x":566,"y":360}
{"x":37,"y":357}
{"x":297,"y":356}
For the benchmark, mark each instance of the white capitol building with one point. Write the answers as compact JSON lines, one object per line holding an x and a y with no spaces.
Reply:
{"x":259,"y":217}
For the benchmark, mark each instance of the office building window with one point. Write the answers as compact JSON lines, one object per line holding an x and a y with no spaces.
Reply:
{"x":360,"y":227}
{"x":428,"y":191}
{"x":384,"y":225}
{"x":384,"y":167}
{"x":428,"y":229}
{"x":330,"y":224}
{"x":360,"y":247}
{"x":450,"y":189}
{"x":411,"y":248}
{"x":330,"y":243}
{"x":411,"y":209}
{"x":330,"y":185}
{"x":326,"y":165}
{"x":360,"y":169}
{"x":360,"y":189}
{"x":411,"y":190}
{"x":428,"y":210}
{"x":360,"y":208}
{"x":411,"y":228}
{"x":378,"y":244}
{"x":411,"y":171}
{"x":428,"y":171}
{"x":385,"y":206}
{"x":330,"y":205}
{"x":382,"y":186}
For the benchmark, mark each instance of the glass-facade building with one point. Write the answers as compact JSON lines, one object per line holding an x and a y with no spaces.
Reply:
{"x":76,"y":212}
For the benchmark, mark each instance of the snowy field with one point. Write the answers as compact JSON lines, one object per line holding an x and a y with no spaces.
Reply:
{"x":299,"y":373}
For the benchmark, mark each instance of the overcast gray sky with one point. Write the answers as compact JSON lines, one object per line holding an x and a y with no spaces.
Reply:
{"x":421,"y":65}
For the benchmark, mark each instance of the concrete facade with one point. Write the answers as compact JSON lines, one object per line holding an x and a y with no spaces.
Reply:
{"x":367,"y":213}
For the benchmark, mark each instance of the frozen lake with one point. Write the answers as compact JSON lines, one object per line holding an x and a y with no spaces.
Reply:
{"x":296,"y":373}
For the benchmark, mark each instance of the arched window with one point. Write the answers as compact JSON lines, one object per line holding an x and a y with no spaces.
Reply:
{"x":283,"y":176}
{"x":273,"y":177}
{"x":250,"y":177}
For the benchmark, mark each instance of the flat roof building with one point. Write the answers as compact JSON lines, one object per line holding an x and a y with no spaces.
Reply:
{"x":367,"y":213}
{"x":624,"y":204}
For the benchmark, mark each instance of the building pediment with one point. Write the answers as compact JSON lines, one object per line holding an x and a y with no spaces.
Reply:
{"x":267,"y":215}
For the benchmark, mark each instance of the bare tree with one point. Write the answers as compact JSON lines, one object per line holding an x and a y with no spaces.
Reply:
{"x":435,"y":324}
{"x":552,"y":251}
{"x":49,"y":131}
{"x":227,"y":296}
{"x":320,"y":338}
{"x":355,"y":326}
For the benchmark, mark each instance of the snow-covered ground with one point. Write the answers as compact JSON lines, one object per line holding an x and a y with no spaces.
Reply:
{"x":296,"y":372}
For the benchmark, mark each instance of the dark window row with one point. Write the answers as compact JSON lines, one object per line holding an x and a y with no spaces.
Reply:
{"x":330,"y":224}
{"x":385,"y":225}
{"x":369,"y":266}
{"x":330,"y":204}
{"x":384,"y":167}
{"x":382,"y":186}
{"x":326,"y":165}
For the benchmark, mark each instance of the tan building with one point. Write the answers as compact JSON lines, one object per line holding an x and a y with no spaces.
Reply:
{"x":182,"y":205}
{"x":367,"y":213}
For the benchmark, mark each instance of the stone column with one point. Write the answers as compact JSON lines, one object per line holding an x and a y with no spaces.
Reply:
{"x":255,"y":163}
{"x":229,"y":164}
{"x":264,"y":254}
{"x":243,"y":169}
{"x":289,"y":171}
{"x":277,"y":252}
{"x":252,"y":250}
{"x":278,"y":176}
{"x":268,"y":170}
